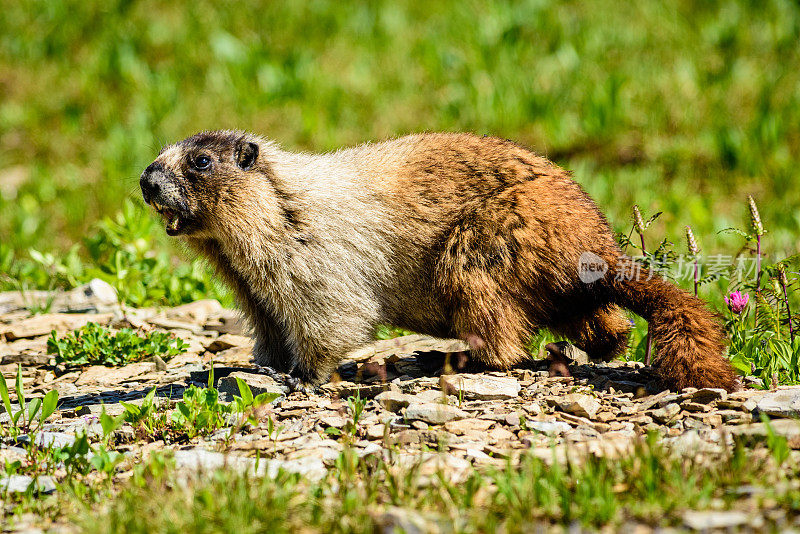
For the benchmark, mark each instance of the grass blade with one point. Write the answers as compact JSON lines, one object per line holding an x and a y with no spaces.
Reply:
{"x":20,"y":391}
{"x":4,"y":394}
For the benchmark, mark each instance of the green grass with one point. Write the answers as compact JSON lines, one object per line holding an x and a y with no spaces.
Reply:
{"x":648,"y":486}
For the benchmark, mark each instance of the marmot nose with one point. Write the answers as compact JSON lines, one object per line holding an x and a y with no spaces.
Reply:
{"x":149,"y":181}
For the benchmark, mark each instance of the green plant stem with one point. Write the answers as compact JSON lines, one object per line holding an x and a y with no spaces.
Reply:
{"x":788,"y":311}
{"x":758,"y":278}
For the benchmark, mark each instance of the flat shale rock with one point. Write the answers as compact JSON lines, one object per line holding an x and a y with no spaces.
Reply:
{"x":712,"y":519}
{"x":759,"y":432}
{"x":436,"y":414}
{"x":204,"y":461}
{"x":481,"y":387}
{"x":232,"y":356}
{"x":21,"y":484}
{"x":40,"y":325}
{"x":394,"y":400}
{"x":462,"y":426}
{"x":781,"y":403}
{"x":579,"y":404}
{"x":197,"y":312}
{"x":226,"y":321}
{"x":113,"y":376}
{"x":550,"y":428}
{"x":708,"y":395}
{"x":227,"y":341}
{"x":667,"y":414}
{"x":405,"y":346}
{"x":95,"y":296}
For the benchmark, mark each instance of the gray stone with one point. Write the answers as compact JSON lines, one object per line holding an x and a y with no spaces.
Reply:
{"x":463,"y":426}
{"x":396,"y":519}
{"x":258,"y":384}
{"x":98,"y":293}
{"x":41,"y":325}
{"x":10,"y":454}
{"x":26,"y":360}
{"x":370,"y":448}
{"x":780,"y":403}
{"x":50,"y":439}
{"x":551,"y":428}
{"x":228,"y":341}
{"x":690,"y":443}
{"x":579,"y":404}
{"x":735,"y":417}
{"x":481,"y":387}
{"x":196,"y":312}
{"x":334,"y":421}
{"x":393,"y":401}
{"x":666,"y":414}
{"x":714,"y":519}
{"x":758,"y":432}
{"x":436,"y":414}
{"x":172,"y":324}
{"x":707,"y":395}
{"x":573,"y":353}
{"x":582,"y":433}
{"x":21,"y":483}
{"x":205,"y":461}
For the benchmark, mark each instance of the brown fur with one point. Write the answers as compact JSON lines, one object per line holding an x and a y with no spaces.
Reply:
{"x":444,"y":234}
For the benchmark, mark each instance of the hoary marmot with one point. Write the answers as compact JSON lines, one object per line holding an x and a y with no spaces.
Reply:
{"x":446,"y":234}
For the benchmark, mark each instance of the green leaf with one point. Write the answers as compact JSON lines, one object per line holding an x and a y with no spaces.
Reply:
{"x":49,"y":404}
{"x":148,"y":399}
{"x":741,"y":364}
{"x":265,"y":398}
{"x":33,"y":408}
{"x":244,"y":391}
{"x":108,"y":423}
{"x":131,"y":410}
{"x":184,"y":410}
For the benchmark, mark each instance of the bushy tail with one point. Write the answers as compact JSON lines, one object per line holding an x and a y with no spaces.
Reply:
{"x":688,"y":336}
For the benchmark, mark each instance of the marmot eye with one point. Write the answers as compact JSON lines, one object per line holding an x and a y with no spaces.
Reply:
{"x":202,"y":162}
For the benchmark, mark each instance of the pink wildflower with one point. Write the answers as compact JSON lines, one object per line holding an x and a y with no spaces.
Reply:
{"x":737,"y":301}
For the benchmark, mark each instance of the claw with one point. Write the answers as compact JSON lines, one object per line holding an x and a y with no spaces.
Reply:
{"x":293,"y":383}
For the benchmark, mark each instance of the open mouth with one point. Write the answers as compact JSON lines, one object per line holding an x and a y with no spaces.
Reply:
{"x":172,"y":218}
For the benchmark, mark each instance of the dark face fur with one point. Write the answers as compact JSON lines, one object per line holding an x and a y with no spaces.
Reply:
{"x":188,"y":180}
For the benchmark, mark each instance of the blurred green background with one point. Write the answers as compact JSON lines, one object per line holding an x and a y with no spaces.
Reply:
{"x":682,"y":107}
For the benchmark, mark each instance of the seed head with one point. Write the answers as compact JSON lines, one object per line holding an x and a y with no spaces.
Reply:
{"x":782,"y":275}
{"x":755,"y":218}
{"x":691,"y":242}
{"x":638,"y":222}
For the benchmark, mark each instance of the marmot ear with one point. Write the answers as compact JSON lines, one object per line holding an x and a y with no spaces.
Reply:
{"x":246,"y":155}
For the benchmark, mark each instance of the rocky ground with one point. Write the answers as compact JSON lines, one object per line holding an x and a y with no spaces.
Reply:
{"x":450,"y":422}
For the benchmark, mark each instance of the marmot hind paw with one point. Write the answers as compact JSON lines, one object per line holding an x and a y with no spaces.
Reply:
{"x":291,"y":383}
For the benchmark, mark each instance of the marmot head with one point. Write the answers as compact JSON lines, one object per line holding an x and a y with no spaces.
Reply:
{"x":190,"y":181}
